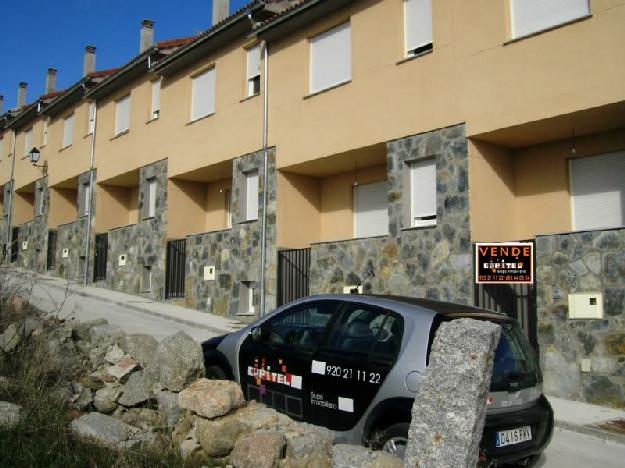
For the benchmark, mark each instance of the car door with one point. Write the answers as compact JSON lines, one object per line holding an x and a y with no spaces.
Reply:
{"x":348,"y":370}
{"x":274,"y":360}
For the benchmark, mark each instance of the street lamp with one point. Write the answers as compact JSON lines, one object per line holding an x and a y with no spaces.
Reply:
{"x":34,"y":156}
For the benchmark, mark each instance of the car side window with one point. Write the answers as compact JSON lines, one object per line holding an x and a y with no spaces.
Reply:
{"x":303,"y":326}
{"x":366,"y":329}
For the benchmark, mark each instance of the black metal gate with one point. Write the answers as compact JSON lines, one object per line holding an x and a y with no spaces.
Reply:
{"x":293,"y":268}
{"x":174,"y":268}
{"x":100,"y":256}
{"x":51,"y":259}
{"x":515,"y":300}
{"x":15,"y":232}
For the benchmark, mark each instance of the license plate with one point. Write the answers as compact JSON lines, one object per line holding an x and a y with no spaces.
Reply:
{"x":513,"y":436}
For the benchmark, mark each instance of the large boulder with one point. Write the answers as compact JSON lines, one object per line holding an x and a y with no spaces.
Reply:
{"x":306,"y":440}
{"x":211,"y":398}
{"x":82,"y":330}
{"x":168,"y":408}
{"x":138,"y":389}
{"x":140,"y":346}
{"x":260,"y":449}
{"x":143,"y":418}
{"x":180,"y":361}
{"x":449,"y":410}
{"x":105,"y":399}
{"x":10,"y":414}
{"x":218,"y":437}
{"x":10,"y":338}
{"x":103,"y":429}
{"x":356,"y":456}
{"x":106,"y":333}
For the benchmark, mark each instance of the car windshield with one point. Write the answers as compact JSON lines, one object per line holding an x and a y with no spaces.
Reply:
{"x":515,"y":364}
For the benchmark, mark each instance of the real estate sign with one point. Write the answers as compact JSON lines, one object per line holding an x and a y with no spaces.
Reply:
{"x":505,"y":262}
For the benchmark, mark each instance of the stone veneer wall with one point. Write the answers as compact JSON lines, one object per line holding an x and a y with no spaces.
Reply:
{"x":35,"y":233}
{"x":592,"y":261}
{"x":143,"y":243}
{"x":4,"y":220}
{"x":235,"y":252}
{"x":71,"y":236}
{"x":433,"y":262}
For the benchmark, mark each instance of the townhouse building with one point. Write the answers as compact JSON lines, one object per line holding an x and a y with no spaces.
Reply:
{"x":301,"y":147}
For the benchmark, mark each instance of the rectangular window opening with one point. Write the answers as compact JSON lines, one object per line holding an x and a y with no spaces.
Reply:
{"x":156,"y":98}
{"x":151,"y":198}
{"x":417,"y":26}
{"x":91,"y":119}
{"x":247,"y":290}
{"x":371,"y":209}
{"x":122,"y":115}
{"x":331,"y":58}
{"x":250,"y":198}
{"x":86,"y":198}
{"x":253,"y":71}
{"x":68,"y":130}
{"x":40,"y":201}
{"x":423,"y":193}
{"x":203,"y":94}
{"x":146,"y":281}
{"x":28,"y":141}
{"x":531,"y":16}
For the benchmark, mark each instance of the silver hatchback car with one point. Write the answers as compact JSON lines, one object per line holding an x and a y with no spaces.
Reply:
{"x":353,"y":364}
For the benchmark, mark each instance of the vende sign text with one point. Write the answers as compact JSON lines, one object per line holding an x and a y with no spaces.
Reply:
{"x":507,"y":262}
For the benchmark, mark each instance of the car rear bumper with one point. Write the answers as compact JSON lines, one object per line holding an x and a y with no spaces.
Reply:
{"x":539,"y":417}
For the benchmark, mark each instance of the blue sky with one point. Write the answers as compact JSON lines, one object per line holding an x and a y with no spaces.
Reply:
{"x":38,"y":34}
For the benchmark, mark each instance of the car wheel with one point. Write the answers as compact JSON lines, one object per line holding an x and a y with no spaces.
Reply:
{"x":216,"y":373}
{"x":394,"y":439}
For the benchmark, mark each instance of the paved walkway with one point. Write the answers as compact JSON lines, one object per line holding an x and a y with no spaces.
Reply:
{"x":135,"y":314}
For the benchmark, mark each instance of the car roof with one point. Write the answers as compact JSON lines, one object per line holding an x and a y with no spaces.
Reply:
{"x":446,"y":309}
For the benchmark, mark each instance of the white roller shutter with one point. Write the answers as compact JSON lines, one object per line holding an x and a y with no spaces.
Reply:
{"x":331,"y":58}
{"x":68,"y":130}
{"x":371,"y":210}
{"x":203,"y":94}
{"x":156,"y":98}
{"x":251,"y":195}
{"x":418,"y":23}
{"x":28,"y":141}
{"x":598,"y":191}
{"x":423,"y":192}
{"x":530,"y":16}
{"x":122,"y":115}
{"x":152,"y":198}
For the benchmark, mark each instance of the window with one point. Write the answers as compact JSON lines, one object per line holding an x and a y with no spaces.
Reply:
{"x":151,"y":198}
{"x":91,"y":119}
{"x":303,"y":326}
{"x":598,"y":191}
{"x":156,"y":98}
{"x":68,"y":130}
{"x":370,"y":330}
{"x":1,"y":148}
{"x":203,"y":94}
{"x":246,"y":298}
{"x":331,"y":58}
{"x":530,"y":16}
{"x":39,"y":201}
{"x":253,"y":71}
{"x":371,"y":210}
{"x":228,"y":195}
{"x":423,"y":193}
{"x":418,"y":26}
{"x":147,"y":278}
{"x":250,"y":210}
{"x":44,"y":136}
{"x":28,"y":141}
{"x":122,"y":115}
{"x":86,"y":190}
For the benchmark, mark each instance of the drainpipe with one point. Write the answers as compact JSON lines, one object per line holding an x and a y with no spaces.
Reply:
{"x":89,"y":214}
{"x":263,"y":233}
{"x":7,"y":254}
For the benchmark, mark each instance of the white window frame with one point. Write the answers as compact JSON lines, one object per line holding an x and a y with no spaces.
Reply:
{"x":228,"y":194}
{"x":151,"y":197}
{"x":68,"y":130}
{"x":122,"y":121}
{"x":91,"y":118}
{"x":582,"y":8}
{"x":363,"y":225}
{"x":575,"y":222}
{"x":253,"y":70}
{"x":418,"y":35}
{"x":44,"y":135}
{"x":326,"y":57}
{"x":203,"y":99}
{"x":156,"y":99}
{"x":86,"y":196}
{"x":28,"y":141}
{"x":420,"y":217}
{"x":39,"y":201}
{"x":251,"y":188}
